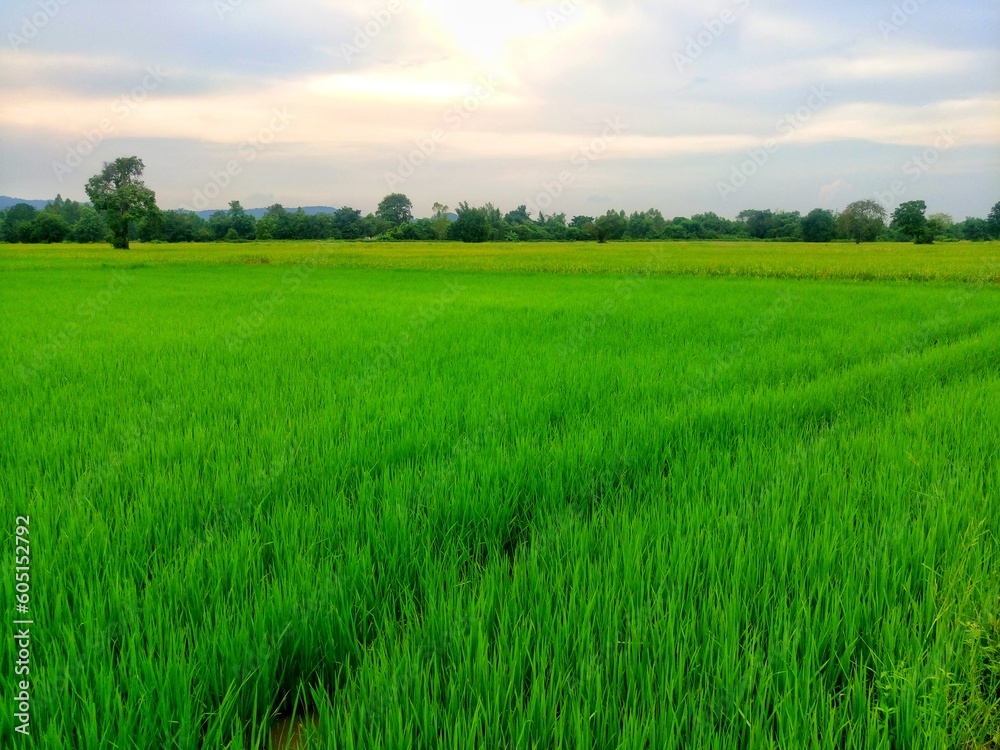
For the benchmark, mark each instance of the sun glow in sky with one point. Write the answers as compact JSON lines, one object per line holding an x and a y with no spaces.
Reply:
{"x":498,"y":99}
{"x":483,"y":32}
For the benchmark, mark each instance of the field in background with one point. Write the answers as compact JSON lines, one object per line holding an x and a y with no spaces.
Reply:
{"x":959,"y":261}
{"x":451,"y":507}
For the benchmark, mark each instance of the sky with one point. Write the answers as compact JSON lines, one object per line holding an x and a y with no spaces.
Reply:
{"x":566,"y":106}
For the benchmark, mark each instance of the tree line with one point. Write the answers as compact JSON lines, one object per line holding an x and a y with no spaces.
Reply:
{"x":123,"y":209}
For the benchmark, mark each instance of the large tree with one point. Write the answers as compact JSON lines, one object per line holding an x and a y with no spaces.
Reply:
{"x":975,"y":230}
{"x":119,"y":193}
{"x":395,"y":209}
{"x":758,"y":223}
{"x":611,"y":226}
{"x":240,"y":221}
{"x":819,"y":226}
{"x":472,"y":224}
{"x":993,"y":221}
{"x":349,"y":223}
{"x":862,"y":221}
{"x":910,"y":219}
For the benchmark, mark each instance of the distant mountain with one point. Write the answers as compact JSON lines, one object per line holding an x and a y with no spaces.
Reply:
{"x":258,"y":213}
{"x":7,"y":202}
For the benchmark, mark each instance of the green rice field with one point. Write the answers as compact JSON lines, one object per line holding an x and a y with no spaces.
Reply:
{"x":671,"y":495}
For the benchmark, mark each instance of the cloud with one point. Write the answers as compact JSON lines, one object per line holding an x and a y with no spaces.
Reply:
{"x":971,"y":122}
{"x":828,"y":192}
{"x":560,"y":69}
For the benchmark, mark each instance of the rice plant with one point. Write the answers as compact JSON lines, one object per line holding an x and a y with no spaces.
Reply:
{"x":562,"y":502}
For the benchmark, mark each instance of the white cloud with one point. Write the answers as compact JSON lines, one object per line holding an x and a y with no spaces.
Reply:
{"x":763,"y":29}
{"x":972,"y":122}
{"x":555,"y":85}
{"x":828,"y":192}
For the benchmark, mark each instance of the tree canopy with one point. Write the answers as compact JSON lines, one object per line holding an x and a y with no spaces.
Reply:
{"x":473,"y":224}
{"x":611,"y":226}
{"x":862,"y":221}
{"x":396,"y":209}
{"x":119,"y":193}
{"x":125,"y":202}
{"x":993,"y":220}
{"x":910,"y":220}
{"x":819,"y":226}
